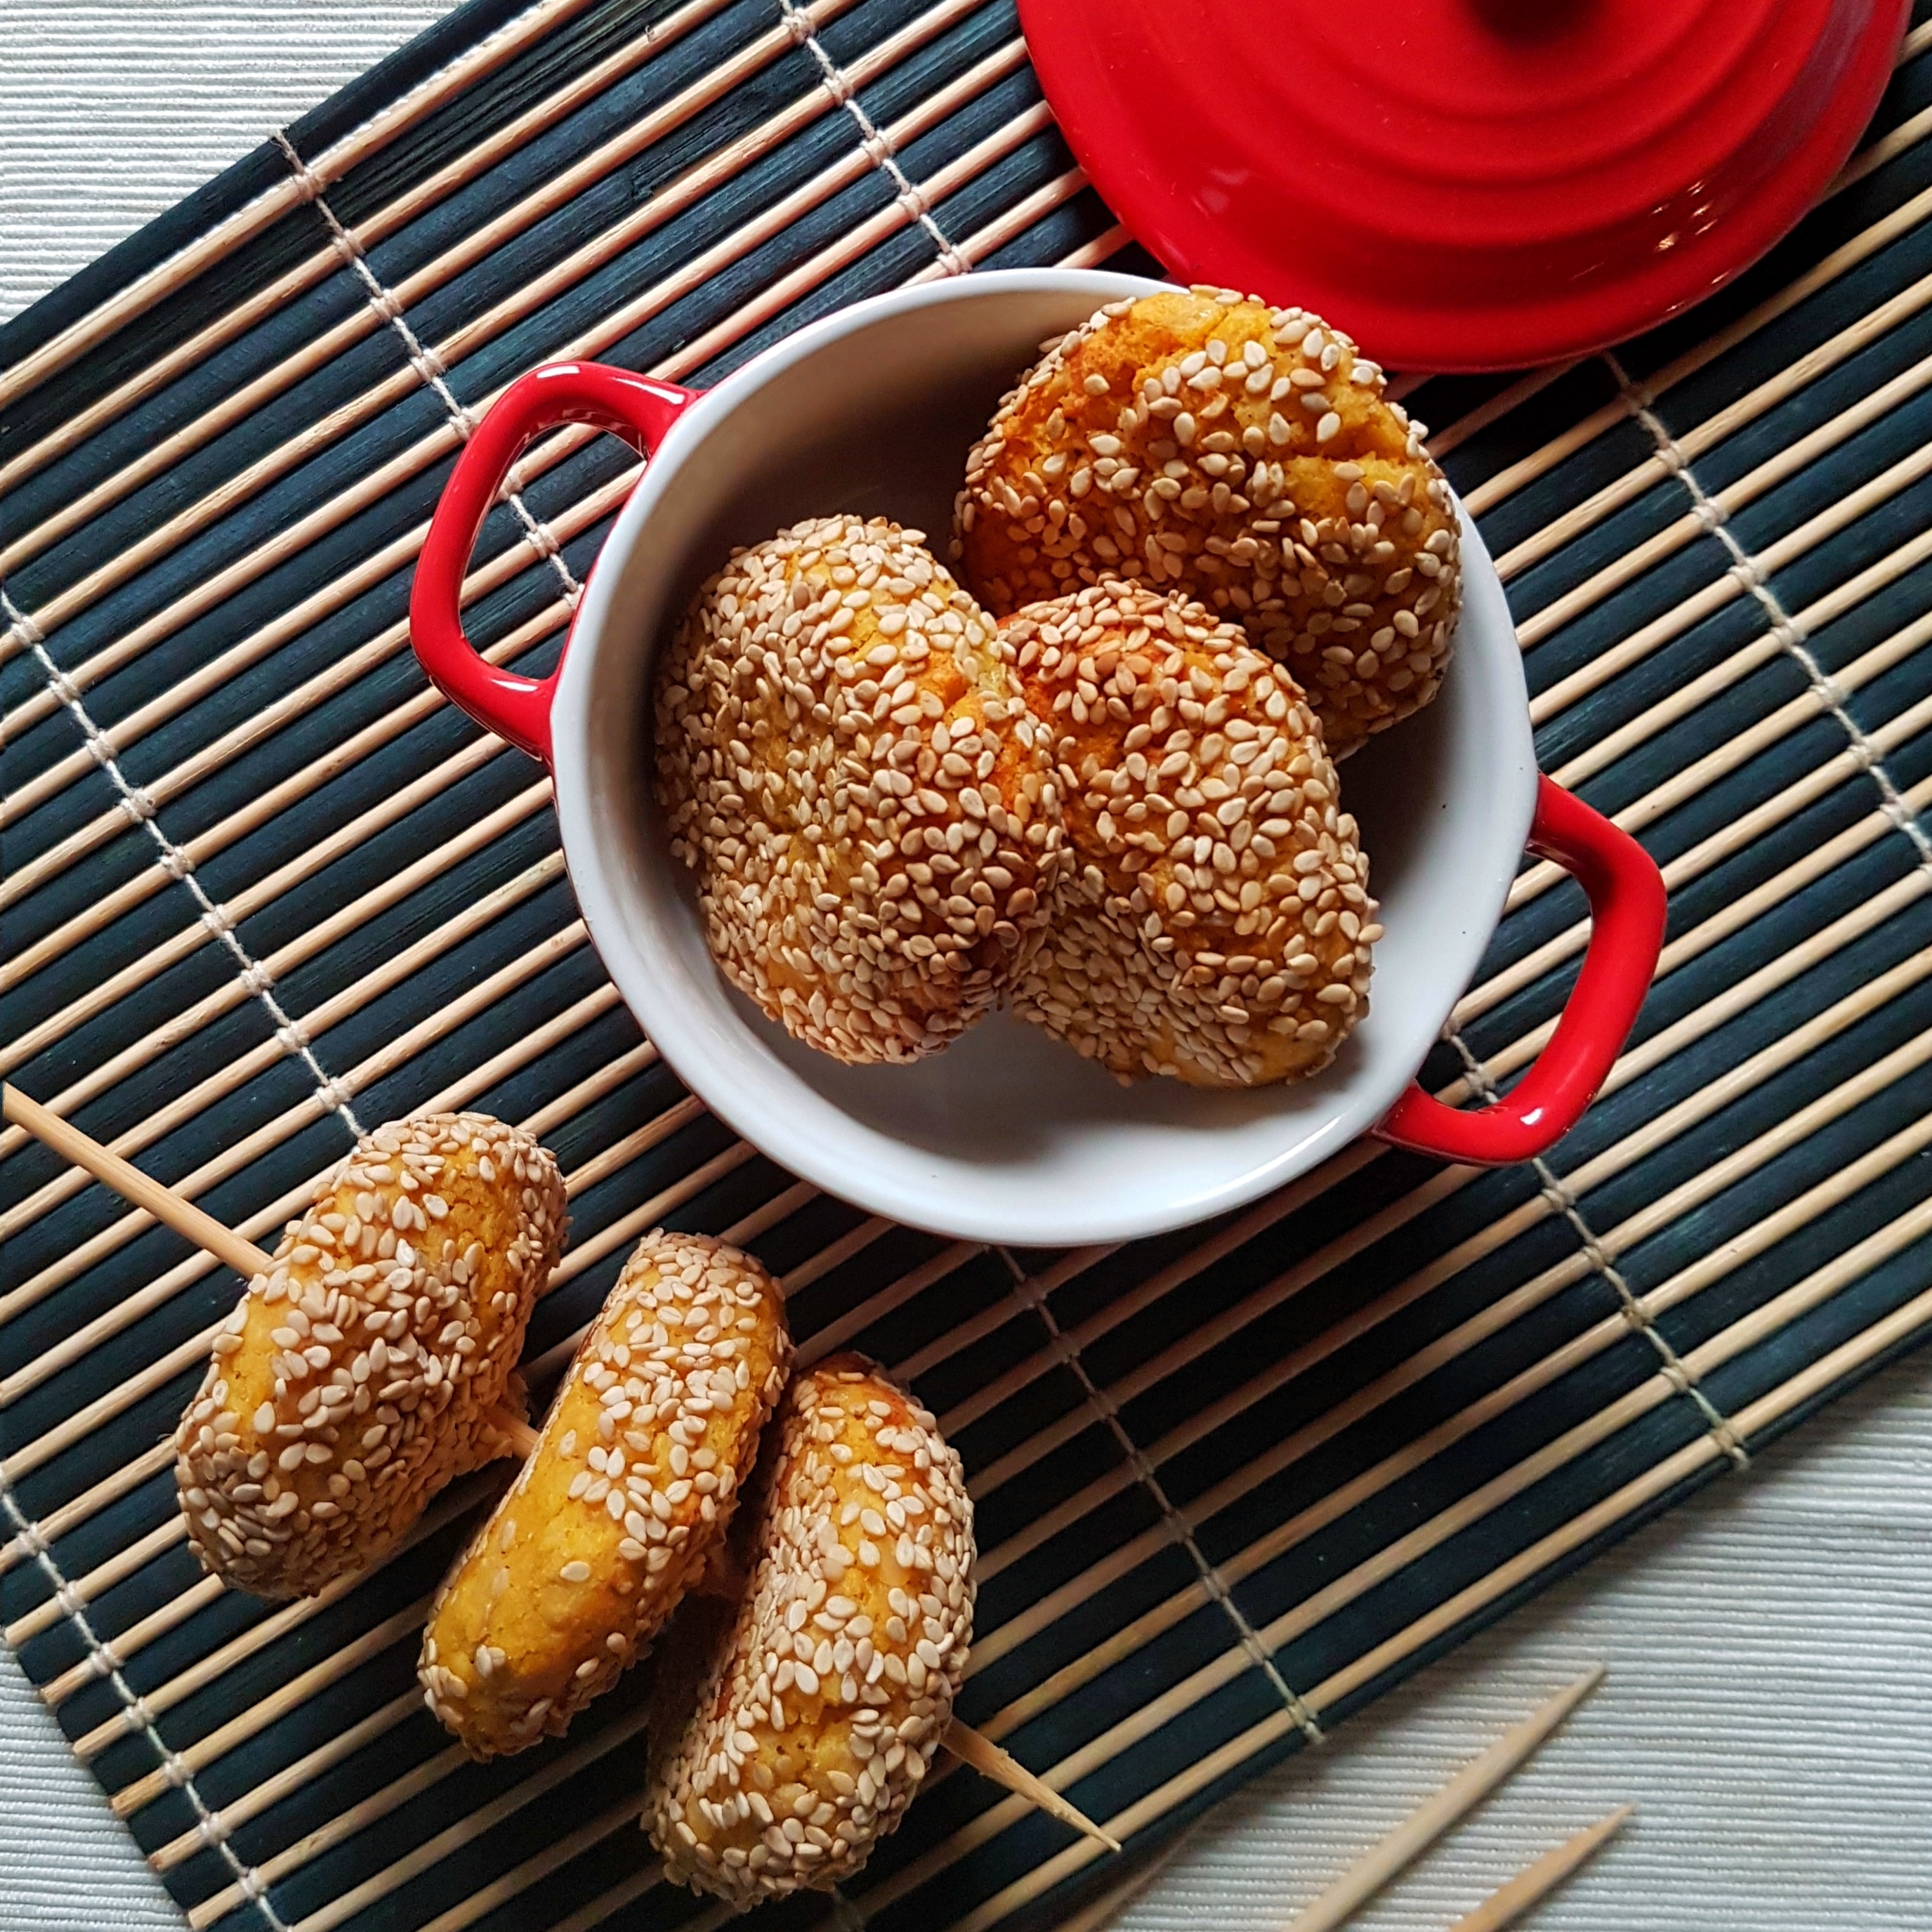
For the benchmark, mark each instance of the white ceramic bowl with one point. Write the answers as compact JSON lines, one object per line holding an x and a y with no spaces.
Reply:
{"x":1008,"y":1135}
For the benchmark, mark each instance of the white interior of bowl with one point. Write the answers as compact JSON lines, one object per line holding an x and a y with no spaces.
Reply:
{"x":1007,"y":1135}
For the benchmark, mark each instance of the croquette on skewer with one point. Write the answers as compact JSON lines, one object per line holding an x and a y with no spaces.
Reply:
{"x":823,"y":1701}
{"x":374,"y":1361}
{"x":177,"y":1212}
{"x":632,"y":1483}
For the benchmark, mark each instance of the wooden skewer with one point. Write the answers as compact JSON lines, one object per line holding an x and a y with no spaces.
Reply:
{"x":1505,"y":1905}
{"x":1003,"y":1768}
{"x":1430,"y":1819}
{"x":518,"y":1437}
{"x":127,"y":1180}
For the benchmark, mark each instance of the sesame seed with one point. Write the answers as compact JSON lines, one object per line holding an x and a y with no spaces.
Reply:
{"x":621,"y":1521}
{"x":818,"y":1712}
{"x":1222,"y":473}
{"x":881,"y":747}
{"x":342,"y":1384}
{"x":1169,"y":957}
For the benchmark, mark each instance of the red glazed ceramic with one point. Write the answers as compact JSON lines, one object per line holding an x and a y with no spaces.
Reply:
{"x":1465,"y":184}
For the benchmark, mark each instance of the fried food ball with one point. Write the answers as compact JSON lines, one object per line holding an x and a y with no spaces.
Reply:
{"x":826,"y":1696}
{"x":1246,"y":457}
{"x":1218,"y":928}
{"x":633,"y":1480}
{"x":846,"y":763}
{"x":356,"y":1378}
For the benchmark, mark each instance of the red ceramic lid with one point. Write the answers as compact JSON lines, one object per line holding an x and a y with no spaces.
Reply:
{"x":1464,"y":184}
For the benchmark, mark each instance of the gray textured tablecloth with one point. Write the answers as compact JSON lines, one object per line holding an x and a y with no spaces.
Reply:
{"x":1770,"y":1701}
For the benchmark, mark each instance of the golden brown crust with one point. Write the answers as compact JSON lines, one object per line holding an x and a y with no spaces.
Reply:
{"x":354,"y":1380}
{"x":826,"y":1697}
{"x":632,"y":1482}
{"x":1217,"y":926}
{"x":1246,"y":457}
{"x":846,"y":763}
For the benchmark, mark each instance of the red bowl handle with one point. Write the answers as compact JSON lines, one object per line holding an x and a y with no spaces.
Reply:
{"x":640,"y":408}
{"x":1627,"y":910}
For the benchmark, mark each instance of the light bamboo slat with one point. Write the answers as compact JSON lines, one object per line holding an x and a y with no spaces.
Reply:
{"x":291,"y":1778}
{"x":556,"y":192}
{"x":410,"y":1784}
{"x":1801,"y":1040}
{"x":393,"y":215}
{"x":400,"y":1627}
{"x":1660,"y":1209}
{"x":1773,"y":392}
{"x":273,"y":1622}
{"x":84,"y":1588}
{"x":1509,"y":1307}
{"x":1866,"y":583}
{"x":1725,"y":586}
{"x":1898,"y":221}
{"x":539,"y":1865}
{"x":100,"y":1496}
{"x":1636,"y":1495}
{"x":36,"y":957}
{"x":317,"y":1020}
{"x":608,"y":1904}
{"x":1661,"y":1392}
{"x":469,"y":1828}
{"x":984,"y":1756}
{"x":1607,"y":1333}
{"x":319,"y":1104}
{"x":338,"y":843}
{"x":1767,"y":979}
{"x":324,"y":932}
{"x":374,"y":484}
{"x":1746,"y":490}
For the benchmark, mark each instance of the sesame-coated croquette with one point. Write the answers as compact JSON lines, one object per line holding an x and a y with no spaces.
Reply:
{"x":1217,"y":924}
{"x":826,"y":1698}
{"x":356,"y":1379}
{"x":845,"y":762}
{"x":630,"y":1486}
{"x":1246,"y":457}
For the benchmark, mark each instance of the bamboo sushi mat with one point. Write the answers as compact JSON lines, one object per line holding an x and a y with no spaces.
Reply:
{"x":261,"y":885}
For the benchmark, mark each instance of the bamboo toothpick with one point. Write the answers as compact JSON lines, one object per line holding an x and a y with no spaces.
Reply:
{"x":1430,"y":1819}
{"x":1506,"y":1905}
{"x":990,"y":1761}
{"x":127,"y":1180}
{"x":1099,"y":1913}
{"x":518,"y":1437}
